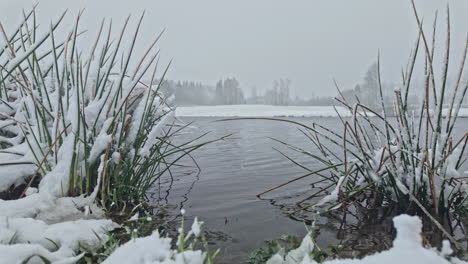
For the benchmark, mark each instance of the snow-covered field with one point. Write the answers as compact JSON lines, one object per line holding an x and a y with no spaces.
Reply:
{"x":270,"y":111}
{"x":260,"y":111}
{"x":407,"y":248}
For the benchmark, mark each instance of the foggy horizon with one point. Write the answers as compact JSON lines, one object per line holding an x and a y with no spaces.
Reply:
{"x":310,"y":43}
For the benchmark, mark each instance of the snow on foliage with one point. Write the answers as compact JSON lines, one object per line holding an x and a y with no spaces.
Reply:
{"x":69,"y":235}
{"x":407,"y":248}
{"x":196,"y":227}
{"x":18,"y":253}
{"x":65,"y":118}
{"x":153,"y":250}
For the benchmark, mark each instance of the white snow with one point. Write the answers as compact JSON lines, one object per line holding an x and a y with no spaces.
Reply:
{"x":17,"y":253}
{"x":21,"y":57}
{"x":134,"y":217}
{"x":196,"y":227}
{"x":260,"y":111}
{"x":101,"y":143}
{"x":153,"y":250}
{"x":463,"y":112}
{"x":31,"y":191}
{"x":407,"y":248}
{"x":154,"y":134}
{"x":271,"y":111}
{"x":56,"y":181}
{"x":69,"y":234}
{"x":306,"y":246}
{"x":21,"y":172}
{"x":21,"y":238}
{"x":15,"y":174}
{"x":116,"y":157}
{"x":333,"y":196}
{"x":137,"y":118}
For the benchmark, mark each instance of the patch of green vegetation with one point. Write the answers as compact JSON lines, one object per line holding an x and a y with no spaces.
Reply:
{"x":130,"y":229}
{"x":143,"y":225}
{"x":286,"y":243}
{"x":283,"y":246}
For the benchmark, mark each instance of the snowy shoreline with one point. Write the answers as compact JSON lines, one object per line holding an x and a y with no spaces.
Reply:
{"x":270,"y":111}
{"x":260,"y":111}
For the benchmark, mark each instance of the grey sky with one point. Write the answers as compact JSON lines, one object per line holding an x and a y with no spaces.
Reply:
{"x":258,"y":41}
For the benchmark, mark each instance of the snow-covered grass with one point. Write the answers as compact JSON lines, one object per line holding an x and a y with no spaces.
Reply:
{"x":27,"y":239}
{"x":39,"y":243}
{"x":136,"y":245}
{"x":83,"y":134}
{"x":33,"y":241}
{"x":151,"y":249}
{"x":407,"y":248}
{"x":83,"y":124}
{"x":415,"y":165}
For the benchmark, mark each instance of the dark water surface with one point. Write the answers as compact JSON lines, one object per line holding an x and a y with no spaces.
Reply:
{"x":223,"y":193}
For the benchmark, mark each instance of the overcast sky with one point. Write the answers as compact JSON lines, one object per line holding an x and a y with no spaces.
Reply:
{"x":308,"y":41}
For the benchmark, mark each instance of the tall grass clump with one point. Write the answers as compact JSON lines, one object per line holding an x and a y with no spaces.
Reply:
{"x":83,"y":121}
{"x":412,"y":162}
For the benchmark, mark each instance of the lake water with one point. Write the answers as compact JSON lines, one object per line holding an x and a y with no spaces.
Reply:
{"x":233,"y":171}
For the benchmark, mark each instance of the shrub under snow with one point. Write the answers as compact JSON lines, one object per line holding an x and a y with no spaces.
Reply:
{"x":407,"y":248}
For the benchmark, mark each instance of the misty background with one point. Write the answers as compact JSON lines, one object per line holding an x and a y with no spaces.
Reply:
{"x":263,"y":51}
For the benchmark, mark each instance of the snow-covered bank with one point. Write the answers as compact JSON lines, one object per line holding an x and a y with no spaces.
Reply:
{"x":271,"y":111}
{"x":407,"y":248}
{"x":260,"y":111}
{"x":155,"y":249}
{"x":27,"y":239}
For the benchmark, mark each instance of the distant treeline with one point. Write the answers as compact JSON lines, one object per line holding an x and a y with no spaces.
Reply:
{"x":228,"y":92}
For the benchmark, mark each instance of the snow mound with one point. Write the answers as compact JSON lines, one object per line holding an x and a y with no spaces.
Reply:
{"x":18,"y":253}
{"x":70,"y":234}
{"x":20,"y":169}
{"x":153,"y":250}
{"x":26,"y":238}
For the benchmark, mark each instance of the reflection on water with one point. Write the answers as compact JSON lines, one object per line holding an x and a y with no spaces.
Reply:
{"x":223,"y":192}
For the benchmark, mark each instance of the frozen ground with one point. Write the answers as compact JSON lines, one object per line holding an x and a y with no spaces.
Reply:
{"x":269,"y":111}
